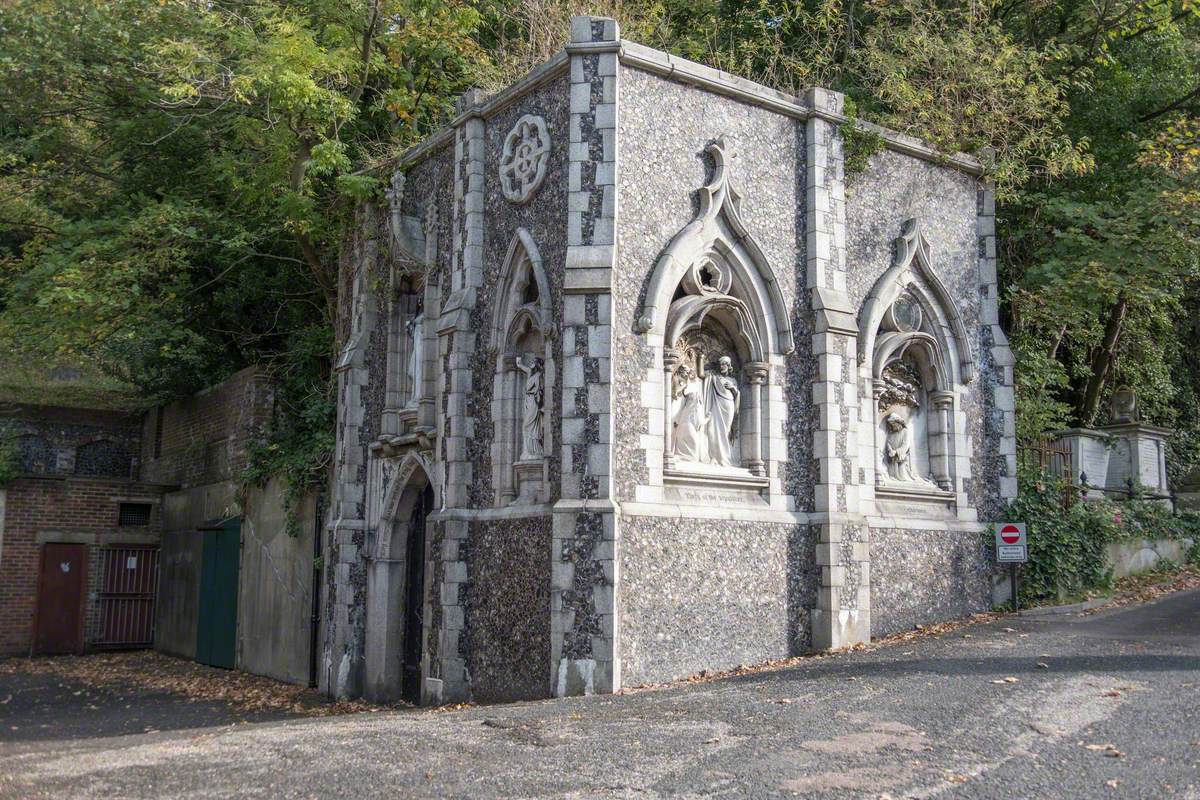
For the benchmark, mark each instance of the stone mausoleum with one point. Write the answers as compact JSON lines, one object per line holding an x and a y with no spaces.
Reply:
{"x":636,"y":382}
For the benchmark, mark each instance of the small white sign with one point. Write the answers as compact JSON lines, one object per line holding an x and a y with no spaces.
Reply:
{"x":1011,"y":543}
{"x":1012,"y":552}
{"x":131,"y":562}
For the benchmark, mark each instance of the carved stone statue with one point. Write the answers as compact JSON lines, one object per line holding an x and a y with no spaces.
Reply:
{"x":531,"y":409}
{"x":721,"y":397}
{"x":689,"y":439}
{"x":897,"y":449}
{"x":416,"y":333}
{"x":1124,"y":406}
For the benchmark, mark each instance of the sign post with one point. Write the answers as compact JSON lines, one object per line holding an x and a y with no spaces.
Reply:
{"x":1012,"y":549}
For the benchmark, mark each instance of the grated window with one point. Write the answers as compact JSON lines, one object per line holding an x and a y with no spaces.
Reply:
{"x":134,"y":514}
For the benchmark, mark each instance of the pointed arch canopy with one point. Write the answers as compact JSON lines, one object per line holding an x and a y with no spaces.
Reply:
{"x":512,"y":312}
{"x":718,"y":233}
{"x":912,"y":259}
{"x":412,"y":476}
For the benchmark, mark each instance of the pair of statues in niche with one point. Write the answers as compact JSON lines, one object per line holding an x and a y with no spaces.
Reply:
{"x":705,"y":414}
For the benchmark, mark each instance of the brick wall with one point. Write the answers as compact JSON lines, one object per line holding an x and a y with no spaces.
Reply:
{"x":204,"y":438}
{"x":61,"y":509}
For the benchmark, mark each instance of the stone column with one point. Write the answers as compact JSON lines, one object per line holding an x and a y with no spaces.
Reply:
{"x":671,"y":361}
{"x":756,"y":373}
{"x":943,"y":405}
{"x":1001,"y":385}
{"x":843,"y":613}
{"x":583,"y":554}
{"x":507,"y":450}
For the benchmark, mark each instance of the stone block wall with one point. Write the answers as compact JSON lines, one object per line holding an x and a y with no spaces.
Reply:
{"x":617,"y":568}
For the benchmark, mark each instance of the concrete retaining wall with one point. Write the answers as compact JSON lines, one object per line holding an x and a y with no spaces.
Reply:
{"x":1142,"y":555}
{"x":275,"y":586}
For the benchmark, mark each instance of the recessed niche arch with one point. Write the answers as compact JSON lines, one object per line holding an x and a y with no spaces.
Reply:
{"x":716,"y":317}
{"x":915,"y":357}
{"x":522,"y":339}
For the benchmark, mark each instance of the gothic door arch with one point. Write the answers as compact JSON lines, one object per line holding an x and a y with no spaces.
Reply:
{"x":414,"y":605}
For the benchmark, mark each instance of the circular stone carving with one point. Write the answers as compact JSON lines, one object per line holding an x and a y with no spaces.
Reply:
{"x":906,"y":313}
{"x":526,"y":154}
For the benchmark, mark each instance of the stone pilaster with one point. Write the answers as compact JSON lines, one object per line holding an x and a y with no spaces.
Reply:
{"x":1003,"y":387}
{"x":843,"y":613}
{"x":457,"y":341}
{"x":341,"y":671}
{"x":584,"y":566}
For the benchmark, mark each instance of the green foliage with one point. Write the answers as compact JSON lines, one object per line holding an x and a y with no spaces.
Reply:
{"x":858,"y":143}
{"x":176,"y":177}
{"x":300,"y":443}
{"x":1066,"y":546}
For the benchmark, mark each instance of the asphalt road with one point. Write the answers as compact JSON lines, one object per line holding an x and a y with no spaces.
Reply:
{"x":1114,"y":712}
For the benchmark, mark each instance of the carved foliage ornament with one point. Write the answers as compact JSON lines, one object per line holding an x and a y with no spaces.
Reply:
{"x":901,"y":386}
{"x":525,"y":158}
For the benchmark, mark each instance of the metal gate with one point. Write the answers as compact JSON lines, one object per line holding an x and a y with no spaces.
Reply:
{"x":125,"y":605}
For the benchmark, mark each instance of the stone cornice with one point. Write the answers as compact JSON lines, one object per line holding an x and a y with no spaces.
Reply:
{"x":679,"y":69}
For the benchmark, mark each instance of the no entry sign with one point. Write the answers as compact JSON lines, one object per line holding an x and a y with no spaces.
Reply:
{"x":1010,"y":543}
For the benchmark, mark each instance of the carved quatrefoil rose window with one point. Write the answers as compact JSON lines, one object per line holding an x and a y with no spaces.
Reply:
{"x":526,"y":156}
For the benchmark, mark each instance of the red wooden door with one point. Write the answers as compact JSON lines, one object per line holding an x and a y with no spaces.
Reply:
{"x":62,"y":585}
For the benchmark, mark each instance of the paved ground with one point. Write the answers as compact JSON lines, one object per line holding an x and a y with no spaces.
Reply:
{"x":1115,"y":712}
{"x":41,"y":710}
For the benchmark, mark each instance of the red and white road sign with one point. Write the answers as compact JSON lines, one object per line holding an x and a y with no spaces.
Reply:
{"x":1010,"y":542}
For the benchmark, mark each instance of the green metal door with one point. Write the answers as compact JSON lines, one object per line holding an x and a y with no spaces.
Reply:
{"x":216,"y":630}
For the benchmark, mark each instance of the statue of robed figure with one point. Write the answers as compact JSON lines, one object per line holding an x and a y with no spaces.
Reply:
{"x":532,"y":398}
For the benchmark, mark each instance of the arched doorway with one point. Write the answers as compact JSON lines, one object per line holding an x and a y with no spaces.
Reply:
{"x":414,"y":602}
{"x":397,"y":588}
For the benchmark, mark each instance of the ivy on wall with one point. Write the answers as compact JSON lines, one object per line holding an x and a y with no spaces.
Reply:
{"x":1066,"y":546}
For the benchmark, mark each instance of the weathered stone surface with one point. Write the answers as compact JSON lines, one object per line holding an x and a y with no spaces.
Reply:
{"x":683,"y":215}
{"x":707,"y":595}
{"x":920,"y":577}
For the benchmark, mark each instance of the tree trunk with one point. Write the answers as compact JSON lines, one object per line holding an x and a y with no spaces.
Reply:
{"x":1102,"y":362}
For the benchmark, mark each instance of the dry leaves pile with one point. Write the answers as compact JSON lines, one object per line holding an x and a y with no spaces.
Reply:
{"x":146,"y":669}
{"x":1151,"y":586}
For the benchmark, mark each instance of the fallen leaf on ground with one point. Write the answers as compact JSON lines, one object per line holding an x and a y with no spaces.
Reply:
{"x":1108,"y":749}
{"x":1042,"y":665}
{"x":1114,"y":783}
{"x":147,"y":670}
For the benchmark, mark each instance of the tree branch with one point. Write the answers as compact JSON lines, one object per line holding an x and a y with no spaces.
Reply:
{"x":1187,"y":98}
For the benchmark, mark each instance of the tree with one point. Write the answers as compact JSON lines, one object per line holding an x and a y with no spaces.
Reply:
{"x":176,"y":176}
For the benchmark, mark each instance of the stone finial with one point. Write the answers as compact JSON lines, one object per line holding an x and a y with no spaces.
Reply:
{"x":825,"y":100}
{"x":1124,"y":407}
{"x":469,"y":99}
{"x":594,"y":29}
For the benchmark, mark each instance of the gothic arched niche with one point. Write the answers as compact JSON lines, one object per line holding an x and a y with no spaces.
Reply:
{"x":714,"y":303}
{"x":524,"y":367}
{"x":914,"y":350}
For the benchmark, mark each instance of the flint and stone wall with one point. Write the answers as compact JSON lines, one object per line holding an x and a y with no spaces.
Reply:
{"x":620,"y":579}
